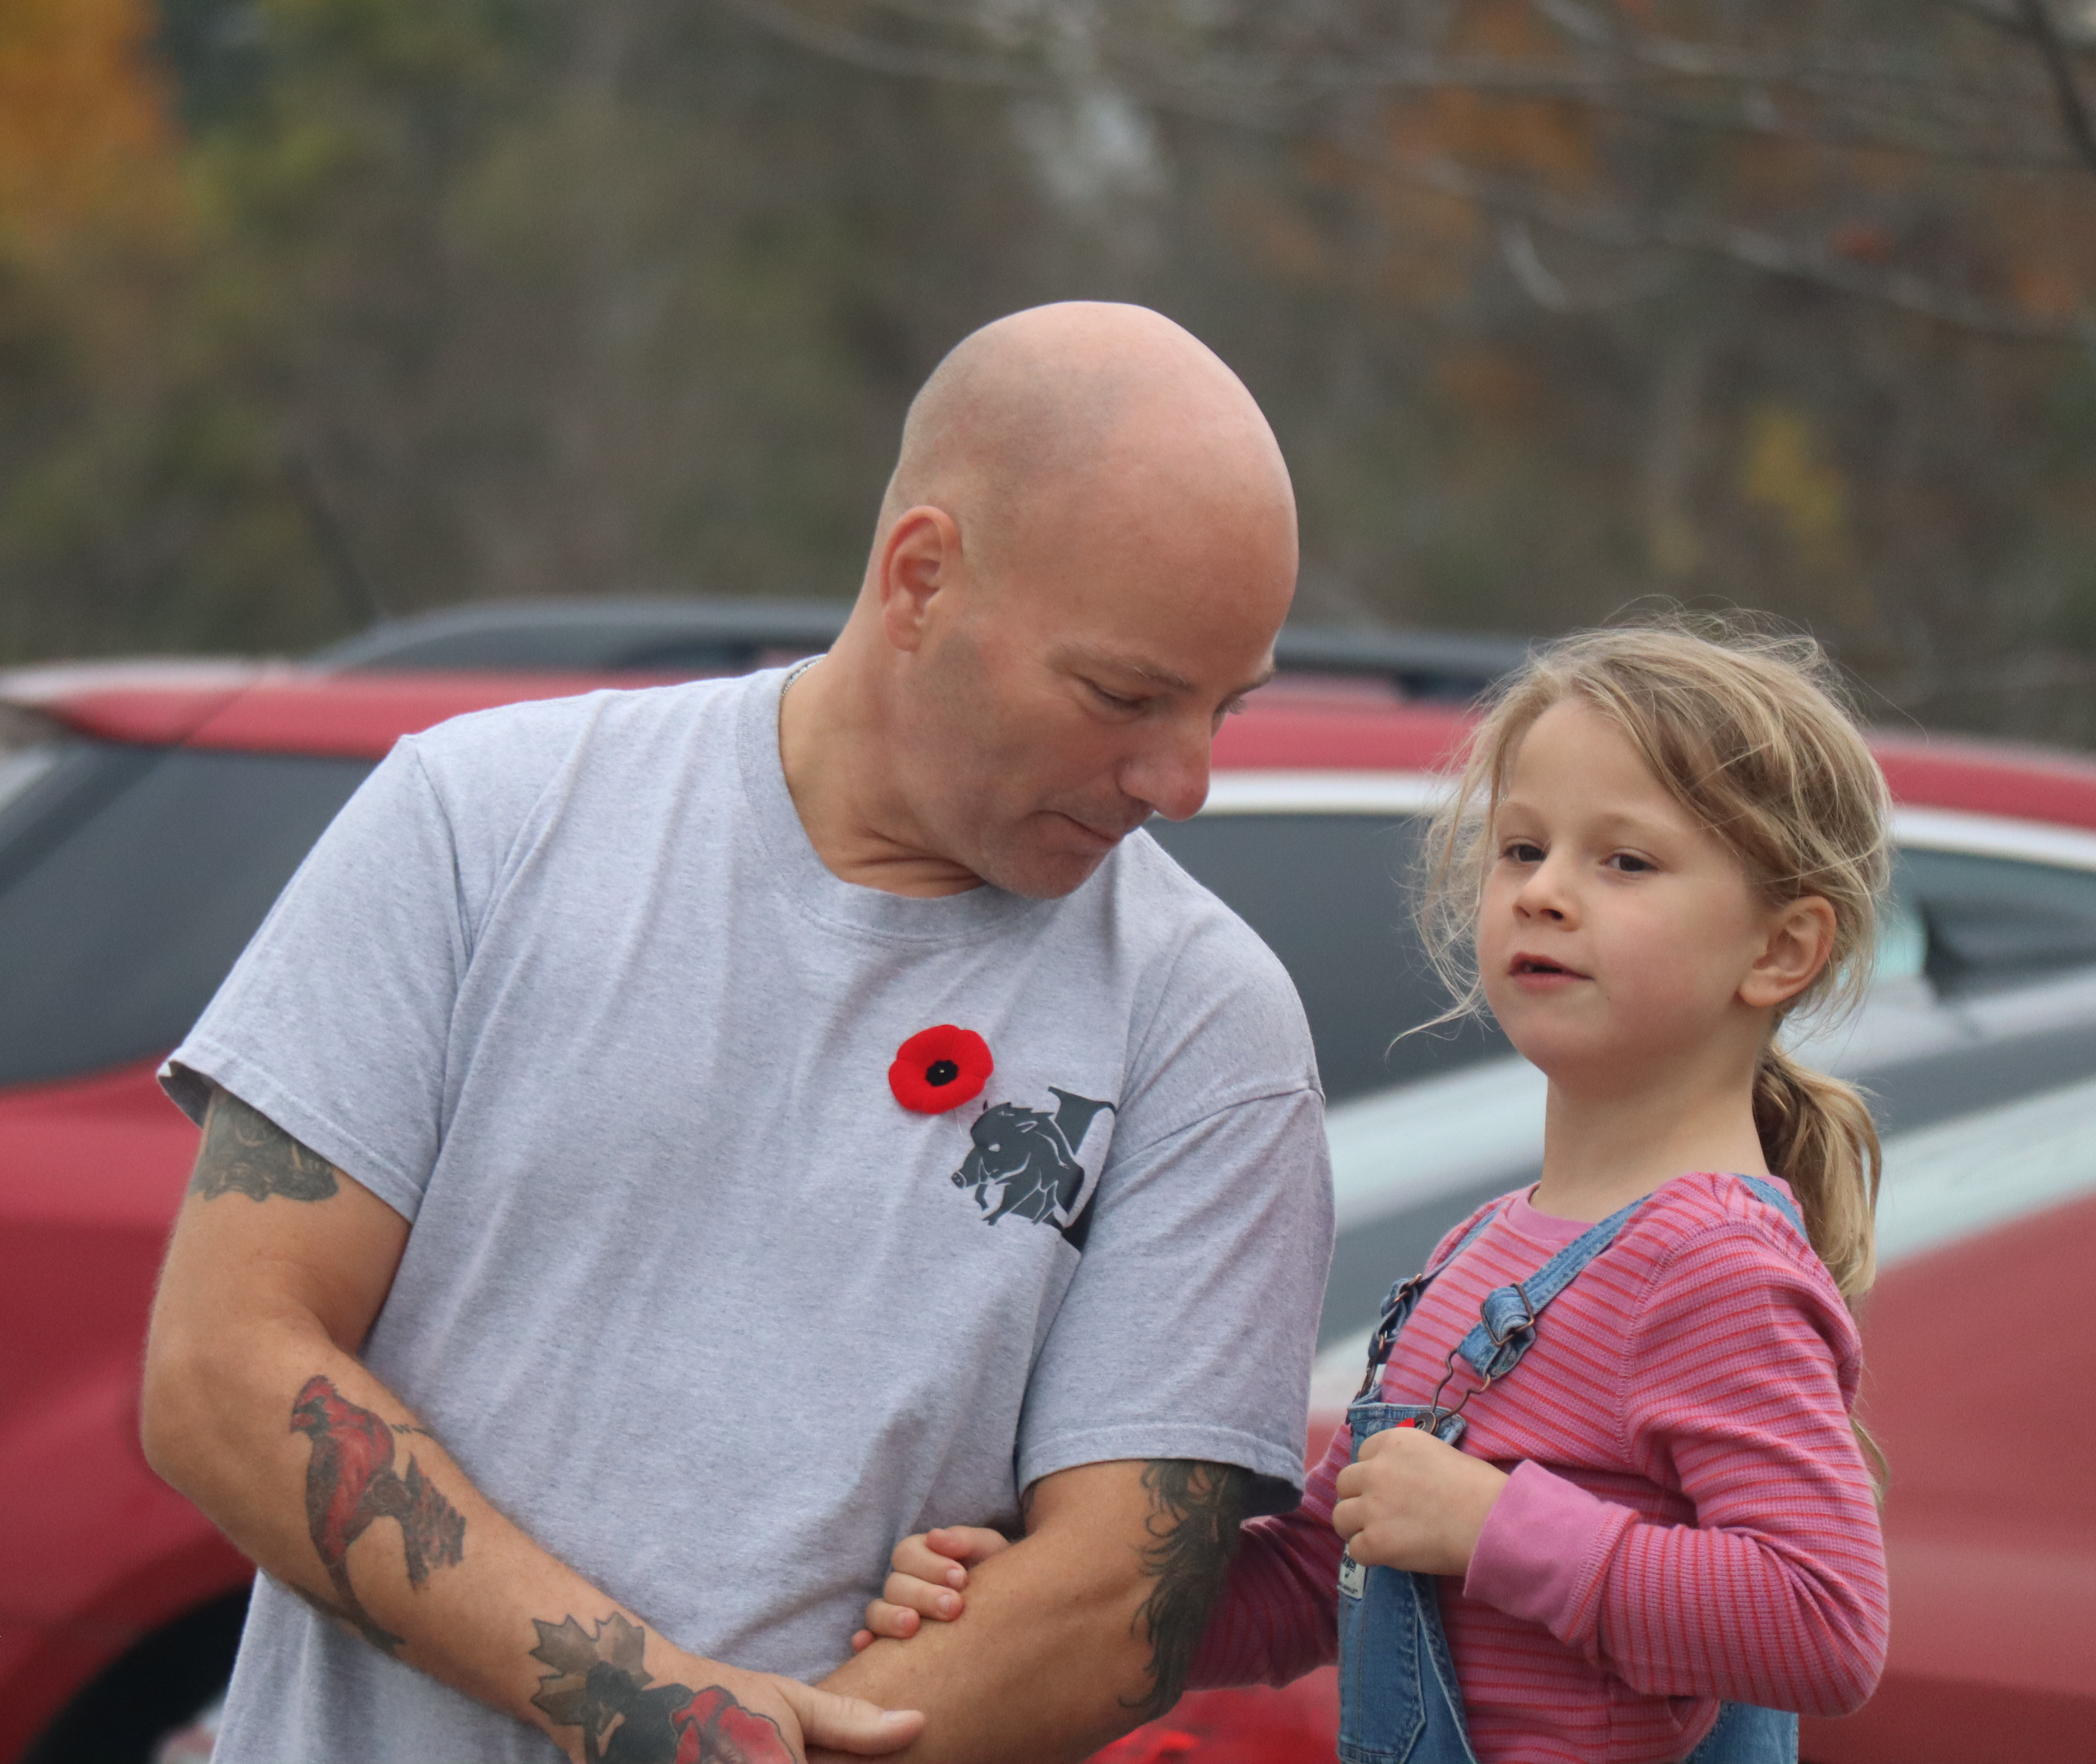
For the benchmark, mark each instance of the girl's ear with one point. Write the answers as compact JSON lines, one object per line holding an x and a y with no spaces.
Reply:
{"x":1800,"y":938}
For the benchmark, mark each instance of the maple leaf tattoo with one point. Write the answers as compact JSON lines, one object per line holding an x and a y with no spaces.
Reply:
{"x":599,"y":1685}
{"x":350,"y":1484}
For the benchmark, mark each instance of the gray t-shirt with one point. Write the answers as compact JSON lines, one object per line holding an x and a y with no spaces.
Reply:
{"x":690,"y":1294}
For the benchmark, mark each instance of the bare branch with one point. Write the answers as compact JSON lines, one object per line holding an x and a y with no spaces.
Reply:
{"x":860,"y":51}
{"x":1766,"y":251}
{"x":1277,"y":94}
{"x":2059,"y":68}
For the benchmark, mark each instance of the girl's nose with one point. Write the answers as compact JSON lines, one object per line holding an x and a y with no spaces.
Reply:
{"x":1543,"y":895}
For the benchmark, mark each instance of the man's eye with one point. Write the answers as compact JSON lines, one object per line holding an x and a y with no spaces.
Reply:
{"x":1114,"y":701}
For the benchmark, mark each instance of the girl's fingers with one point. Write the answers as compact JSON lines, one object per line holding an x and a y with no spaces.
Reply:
{"x":897,"y":1622}
{"x":922,"y":1597}
{"x":861,"y":1639}
{"x":915,"y":1557}
{"x":969,"y":1544}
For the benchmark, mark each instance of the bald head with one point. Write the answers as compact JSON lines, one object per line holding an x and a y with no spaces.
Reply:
{"x":1083,"y":555}
{"x":1086,"y":404}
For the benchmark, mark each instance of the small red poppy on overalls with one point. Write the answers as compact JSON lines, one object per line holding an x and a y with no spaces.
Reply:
{"x":939,"y":1069}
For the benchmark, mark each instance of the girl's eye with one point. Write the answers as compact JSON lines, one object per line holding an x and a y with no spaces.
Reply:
{"x":1630,"y":862}
{"x":1523,"y":851}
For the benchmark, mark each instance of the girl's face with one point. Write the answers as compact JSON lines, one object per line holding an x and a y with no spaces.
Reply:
{"x":1617,"y":934}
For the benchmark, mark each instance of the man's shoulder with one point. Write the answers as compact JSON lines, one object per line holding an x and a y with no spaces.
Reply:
{"x":517,"y":737}
{"x":1210,"y":968}
{"x":1168,"y":907}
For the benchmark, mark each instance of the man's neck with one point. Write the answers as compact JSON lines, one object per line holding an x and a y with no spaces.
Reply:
{"x":833,"y":745}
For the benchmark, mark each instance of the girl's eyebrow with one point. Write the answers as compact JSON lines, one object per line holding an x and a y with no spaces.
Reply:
{"x":1608,"y":823}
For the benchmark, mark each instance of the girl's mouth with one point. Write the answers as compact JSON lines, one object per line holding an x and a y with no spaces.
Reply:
{"x":1541,"y":967}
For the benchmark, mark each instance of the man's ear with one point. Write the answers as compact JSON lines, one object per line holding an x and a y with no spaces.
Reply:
{"x":1800,"y":939}
{"x":920,"y":556}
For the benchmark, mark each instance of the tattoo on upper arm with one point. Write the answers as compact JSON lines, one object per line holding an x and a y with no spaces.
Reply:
{"x":350,"y":1484}
{"x":244,"y":1149}
{"x":599,"y":1685}
{"x":1195,"y":1511}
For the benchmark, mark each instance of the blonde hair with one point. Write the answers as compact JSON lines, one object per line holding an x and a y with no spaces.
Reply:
{"x":1751,"y":733}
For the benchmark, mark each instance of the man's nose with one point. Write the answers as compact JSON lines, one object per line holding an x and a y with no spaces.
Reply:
{"x":1170,"y":775}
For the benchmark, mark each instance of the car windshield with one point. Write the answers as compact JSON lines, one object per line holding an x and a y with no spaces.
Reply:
{"x":130,"y":877}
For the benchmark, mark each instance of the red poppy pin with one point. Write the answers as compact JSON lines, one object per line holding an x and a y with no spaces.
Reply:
{"x":939,"y":1069}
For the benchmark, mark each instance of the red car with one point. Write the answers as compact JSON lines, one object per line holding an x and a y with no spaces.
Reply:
{"x":150,"y":813}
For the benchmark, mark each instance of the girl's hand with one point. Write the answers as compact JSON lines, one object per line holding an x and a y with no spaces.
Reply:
{"x":1409,"y":1501}
{"x":929,"y":1570}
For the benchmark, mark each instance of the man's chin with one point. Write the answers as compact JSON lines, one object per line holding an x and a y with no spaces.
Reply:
{"x":1043,"y":875}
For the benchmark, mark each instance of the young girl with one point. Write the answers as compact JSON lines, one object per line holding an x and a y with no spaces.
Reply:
{"x":1600,"y":1501}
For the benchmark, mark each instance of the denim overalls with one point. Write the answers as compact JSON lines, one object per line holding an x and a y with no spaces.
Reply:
{"x":1399,"y":1702}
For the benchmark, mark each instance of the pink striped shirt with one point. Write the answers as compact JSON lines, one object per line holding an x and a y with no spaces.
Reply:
{"x":1689,"y":1520}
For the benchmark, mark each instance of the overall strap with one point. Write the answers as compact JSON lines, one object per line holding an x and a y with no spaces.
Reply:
{"x":1506,"y":1328}
{"x":1397,"y":1305}
{"x":1766,"y":1191}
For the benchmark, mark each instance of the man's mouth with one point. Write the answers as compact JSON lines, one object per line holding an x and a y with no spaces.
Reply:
{"x":1106,"y":835}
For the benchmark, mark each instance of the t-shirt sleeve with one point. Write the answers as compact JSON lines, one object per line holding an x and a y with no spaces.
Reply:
{"x":1188,"y":1329}
{"x":334,"y":1022}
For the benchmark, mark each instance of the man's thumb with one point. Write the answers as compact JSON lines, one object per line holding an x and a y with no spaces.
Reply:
{"x":852,"y":1724}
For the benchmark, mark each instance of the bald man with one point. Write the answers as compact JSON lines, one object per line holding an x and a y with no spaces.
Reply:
{"x":666,"y":1145}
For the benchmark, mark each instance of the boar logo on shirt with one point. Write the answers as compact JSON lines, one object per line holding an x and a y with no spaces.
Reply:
{"x":1024,"y":1162}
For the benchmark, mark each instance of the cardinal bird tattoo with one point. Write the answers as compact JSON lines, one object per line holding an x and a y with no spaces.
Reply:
{"x":350,"y":1482}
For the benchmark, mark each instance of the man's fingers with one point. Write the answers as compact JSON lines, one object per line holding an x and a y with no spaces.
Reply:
{"x":1347,"y":1518}
{"x":851,"y":1723}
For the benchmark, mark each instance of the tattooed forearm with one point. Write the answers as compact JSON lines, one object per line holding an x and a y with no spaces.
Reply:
{"x":1195,"y":1511}
{"x":350,"y":1482}
{"x":599,"y":1685}
{"x":247,"y":1151}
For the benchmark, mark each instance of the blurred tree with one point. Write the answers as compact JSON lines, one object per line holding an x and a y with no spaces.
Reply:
{"x":1804,"y":290}
{"x":1554,"y":304}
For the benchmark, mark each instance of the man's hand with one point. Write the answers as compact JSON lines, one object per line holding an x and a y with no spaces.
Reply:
{"x":598,"y":1687}
{"x":1409,"y":1501}
{"x":1080,"y":1631}
{"x":928,"y":1574}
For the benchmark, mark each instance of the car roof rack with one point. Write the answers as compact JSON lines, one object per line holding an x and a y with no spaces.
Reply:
{"x":706,"y":635}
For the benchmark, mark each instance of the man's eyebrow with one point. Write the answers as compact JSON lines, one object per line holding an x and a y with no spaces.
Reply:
{"x":1153,"y":671}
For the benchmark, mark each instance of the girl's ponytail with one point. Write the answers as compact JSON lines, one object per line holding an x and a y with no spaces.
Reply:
{"x":1818,"y":1136}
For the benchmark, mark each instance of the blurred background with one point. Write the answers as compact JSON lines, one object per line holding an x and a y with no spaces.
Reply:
{"x":315,"y":312}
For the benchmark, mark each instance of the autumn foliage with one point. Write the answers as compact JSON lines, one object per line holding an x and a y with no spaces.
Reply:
{"x":311,"y":307}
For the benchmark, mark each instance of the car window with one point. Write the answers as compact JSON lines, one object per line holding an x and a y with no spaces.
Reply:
{"x":1989,"y":922}
{"x":29,"y":746}
{"x":1328,"y":894}
{"x":130,"y":878}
